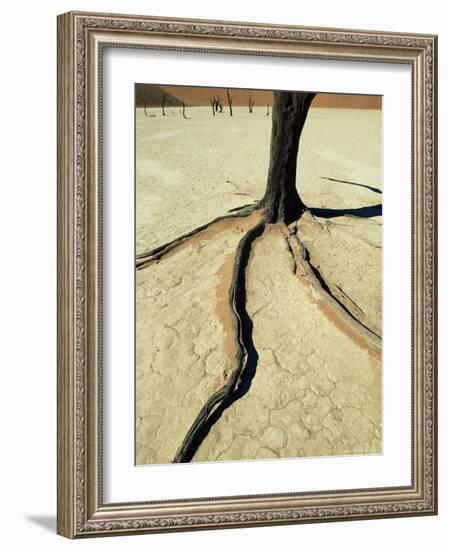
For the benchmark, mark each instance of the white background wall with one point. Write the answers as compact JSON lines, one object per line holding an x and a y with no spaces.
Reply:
{"x":28,"y":271}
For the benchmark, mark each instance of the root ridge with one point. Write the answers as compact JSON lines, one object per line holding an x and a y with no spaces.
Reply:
{"x":145,"y":258}
{"x":301,"y":257}
{"x":247,"y":357}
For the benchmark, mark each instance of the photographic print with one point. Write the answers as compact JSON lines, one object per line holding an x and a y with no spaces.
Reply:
{"x":258,"y":274}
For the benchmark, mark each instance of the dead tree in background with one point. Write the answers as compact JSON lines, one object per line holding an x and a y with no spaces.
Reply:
{"x":229,"y":102}
{"x":212,"y":104}
{"x":281,"y":201}
{"x":250,"y":103}
{"x":268,"y":109}
{"x":163,"y":104}
{"x":217,"y":102}
{"x":220,"y":106}
{"x":184,"y":108}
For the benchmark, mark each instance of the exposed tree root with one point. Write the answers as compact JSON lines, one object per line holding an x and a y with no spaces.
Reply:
{"x":240,"y":380}
{"x":356,"y":306}
{"x":305,"y":267}
{"x":241,"y":377}
{"x":144,"y":258}
{"x":246,"y":357}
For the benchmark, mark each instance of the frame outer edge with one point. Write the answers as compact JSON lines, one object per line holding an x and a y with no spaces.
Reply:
{"x":76,"y":425}
{"x":66,"y":288}
{"x":435,"y":269}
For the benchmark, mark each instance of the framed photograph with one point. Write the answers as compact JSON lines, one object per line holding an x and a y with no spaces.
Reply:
{"x":246,"y":274}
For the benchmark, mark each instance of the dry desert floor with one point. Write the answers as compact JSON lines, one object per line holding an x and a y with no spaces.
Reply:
{"x":313,"y":290}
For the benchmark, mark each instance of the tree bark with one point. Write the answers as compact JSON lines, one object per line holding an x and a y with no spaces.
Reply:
{"x":229,"y":102}
{"x":281,"y":201}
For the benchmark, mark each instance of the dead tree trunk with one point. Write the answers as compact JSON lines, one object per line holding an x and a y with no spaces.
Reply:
{"x":268,"y":109}
{"x":184,"y":109}
{"x":163,"y":104}
{"x":250,"y":104}
{"x":220,"y":105}
{"x":229,"y":102}
{"x":217,"y":102}
{"x":212,"y":104}
{"x":145,"y":108}
{"x":281,"y":201}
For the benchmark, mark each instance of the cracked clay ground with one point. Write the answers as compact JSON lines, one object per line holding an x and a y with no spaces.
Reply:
{"x":316,"y":389}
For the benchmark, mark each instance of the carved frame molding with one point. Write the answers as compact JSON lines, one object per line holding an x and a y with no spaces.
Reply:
{"x":81,"y":39}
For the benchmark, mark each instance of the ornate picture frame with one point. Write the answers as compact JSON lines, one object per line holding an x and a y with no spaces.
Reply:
{"x":82,"y":509}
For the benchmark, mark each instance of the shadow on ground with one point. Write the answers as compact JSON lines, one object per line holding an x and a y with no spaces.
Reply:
{"x":46,"y":522}
{"x":373,"y":189}
{"x":362,"y":212}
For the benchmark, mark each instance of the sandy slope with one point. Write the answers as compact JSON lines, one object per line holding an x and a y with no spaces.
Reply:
{"x":316,"y":391}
